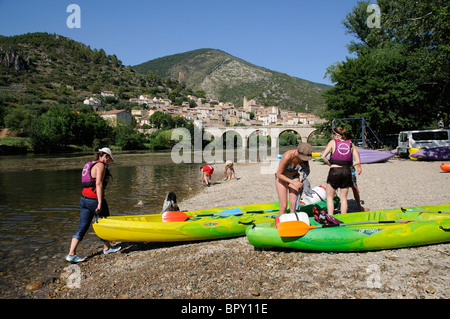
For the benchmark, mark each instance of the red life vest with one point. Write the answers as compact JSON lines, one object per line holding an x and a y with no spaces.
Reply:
{"x":208,"y":169}
{"x":89,"y":183}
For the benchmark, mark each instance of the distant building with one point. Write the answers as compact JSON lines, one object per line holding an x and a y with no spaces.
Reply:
{"x":247,"y":104}
{"x":216,"y":114}
{"x":92,"y":101}
{"x":107,"y":93}
{"x":115,"y":116}
{"x":273,"y":118}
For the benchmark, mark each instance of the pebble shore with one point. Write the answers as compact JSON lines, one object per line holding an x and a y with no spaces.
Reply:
{"x":232,"y":268}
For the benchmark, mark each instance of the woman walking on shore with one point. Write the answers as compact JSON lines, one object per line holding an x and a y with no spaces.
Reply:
{"x":343,"y":155}
{"x":287,"y":177}
{"x":94,"y":178}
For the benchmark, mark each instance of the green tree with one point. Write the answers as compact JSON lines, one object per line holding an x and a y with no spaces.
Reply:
{"x":161,"y":120}
{"x":128,"y":138}
{"x":52,"y":130}
{"x":18,"y":119}
{"x":161,"y":140}
{"x":62,"y":126}
{"x":399,"y":78}
{"x":288,"y":138}
{"x":89,"y":127}
{"x":178,"y":121}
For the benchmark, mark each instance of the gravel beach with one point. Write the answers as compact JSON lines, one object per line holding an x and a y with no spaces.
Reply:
{"x":232,"y":268}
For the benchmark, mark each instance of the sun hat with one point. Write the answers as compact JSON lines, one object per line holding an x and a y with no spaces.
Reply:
{"x":107,"y":151}
{"x":304,"y":151}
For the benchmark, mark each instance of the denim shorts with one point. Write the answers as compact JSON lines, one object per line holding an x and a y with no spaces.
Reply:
{"x":87,"y":212}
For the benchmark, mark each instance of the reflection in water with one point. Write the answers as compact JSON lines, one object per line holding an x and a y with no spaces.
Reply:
{"x":39,"y":202}
{"x":150,"y":184}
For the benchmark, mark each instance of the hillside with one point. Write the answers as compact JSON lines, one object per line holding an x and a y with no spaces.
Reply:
{"x":228,"y":78}
{"x":50,"y":67}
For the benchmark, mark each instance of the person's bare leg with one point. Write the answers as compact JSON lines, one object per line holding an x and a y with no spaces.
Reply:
{"x":281,"y":188}
{"x":73,"y":247}
{"x":344,"y":203}
{"x":331,"y":192}
{"x":292,"y":197}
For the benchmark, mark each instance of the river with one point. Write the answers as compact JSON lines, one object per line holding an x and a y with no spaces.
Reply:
{"x":39,"y":204}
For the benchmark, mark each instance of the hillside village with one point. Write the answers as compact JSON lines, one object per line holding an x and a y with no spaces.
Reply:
{"x":208,"y":112}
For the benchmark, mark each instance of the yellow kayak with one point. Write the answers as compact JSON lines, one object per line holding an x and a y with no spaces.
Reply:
{"x":413,"y":150}
{"x":153,"y":228}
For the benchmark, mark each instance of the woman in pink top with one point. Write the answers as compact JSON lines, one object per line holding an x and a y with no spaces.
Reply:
{"x":343,"y":155}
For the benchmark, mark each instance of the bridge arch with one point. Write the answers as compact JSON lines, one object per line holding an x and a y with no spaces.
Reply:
{"x":245,"y":132}
{"x":304,"y":134}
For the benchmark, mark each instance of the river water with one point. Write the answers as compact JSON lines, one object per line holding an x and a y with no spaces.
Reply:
{"x":39,"y":203}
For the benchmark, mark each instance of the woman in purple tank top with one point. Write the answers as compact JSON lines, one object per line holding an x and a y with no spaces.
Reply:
{"x":343,"y":155}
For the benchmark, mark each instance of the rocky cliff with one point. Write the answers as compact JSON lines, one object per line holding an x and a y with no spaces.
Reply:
{"x":11,"y":59}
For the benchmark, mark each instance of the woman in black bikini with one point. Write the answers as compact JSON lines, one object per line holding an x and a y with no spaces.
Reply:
{"x":287,"y":177}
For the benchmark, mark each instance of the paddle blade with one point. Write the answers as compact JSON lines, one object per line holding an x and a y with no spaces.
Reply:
{"x":174,"y":216}
{"x":293,"y":228}
{"x":229,"y":212}
{"x":237,"y":211}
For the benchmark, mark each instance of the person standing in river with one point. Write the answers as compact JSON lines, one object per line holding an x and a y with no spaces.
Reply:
{"x":94,"y":179}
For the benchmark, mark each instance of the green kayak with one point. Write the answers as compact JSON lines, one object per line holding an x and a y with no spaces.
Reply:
{"x":374,"y":230}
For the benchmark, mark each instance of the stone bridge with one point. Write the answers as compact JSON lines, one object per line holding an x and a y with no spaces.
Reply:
{"x":245,"y":132}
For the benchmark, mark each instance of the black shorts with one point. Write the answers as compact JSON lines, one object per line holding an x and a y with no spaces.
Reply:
{"x":340,"y":177}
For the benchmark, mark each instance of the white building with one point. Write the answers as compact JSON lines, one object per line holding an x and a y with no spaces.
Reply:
{"x":92,"y":101}
{"x":107,"y":93}
{"x":273,"y":118}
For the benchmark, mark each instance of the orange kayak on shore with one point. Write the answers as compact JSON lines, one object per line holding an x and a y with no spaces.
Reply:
{"x":445,"y":167}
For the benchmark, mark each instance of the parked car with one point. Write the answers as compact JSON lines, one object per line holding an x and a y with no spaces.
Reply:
{"x":422,"y":139}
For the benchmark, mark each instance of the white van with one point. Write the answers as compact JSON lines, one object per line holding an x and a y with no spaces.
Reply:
{"x":422,"y":139}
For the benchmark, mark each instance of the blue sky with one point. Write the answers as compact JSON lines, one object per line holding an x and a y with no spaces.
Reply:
{"x":297,"y":37}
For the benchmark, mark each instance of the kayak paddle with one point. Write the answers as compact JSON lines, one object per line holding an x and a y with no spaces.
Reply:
{"x":177,"y":216}
{"x":423,"y":211}
{"x":299,"y":228}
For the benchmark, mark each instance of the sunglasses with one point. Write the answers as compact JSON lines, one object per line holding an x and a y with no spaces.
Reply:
{"x":336,"y":133}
